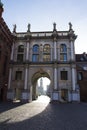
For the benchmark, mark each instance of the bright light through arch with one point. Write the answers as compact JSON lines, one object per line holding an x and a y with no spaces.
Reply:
{"x":46,"y":82}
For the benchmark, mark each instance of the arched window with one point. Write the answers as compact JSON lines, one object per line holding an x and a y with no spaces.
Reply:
{"x":63,"y":48}
{"x":35,"y":56}
{"x":20,"y":53}
{"x":36,"y":49}
{"x":46,"y":52}
{"x":63,"y":52}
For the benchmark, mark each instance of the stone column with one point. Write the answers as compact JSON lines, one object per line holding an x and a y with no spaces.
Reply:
{"x":12,"y":52}
{"x":26,"y":78}
{"x":73,"y":78}
{"x":9,"y":80}
{"x":27,"y":51}
{"x":72,"y":50}
{"x":55,"y":50}
{"x":55,"y":77}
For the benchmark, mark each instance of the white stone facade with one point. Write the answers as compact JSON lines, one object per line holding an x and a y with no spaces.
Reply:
{"x":43,"y":54}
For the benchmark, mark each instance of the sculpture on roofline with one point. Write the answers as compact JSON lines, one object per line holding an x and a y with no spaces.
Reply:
{"x":14,"y":28}
{"x":70,"y":26}
{"x":54,"y":26}
{"x":29,"y":26}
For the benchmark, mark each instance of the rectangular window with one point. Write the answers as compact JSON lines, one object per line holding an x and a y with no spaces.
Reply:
{"x":35,"y":58}
{"x":64,"y":75}
{"x":18,"y":75}
{"x":20,"y":57}
{"x":46,"y":57}
{"x":63,"y":57}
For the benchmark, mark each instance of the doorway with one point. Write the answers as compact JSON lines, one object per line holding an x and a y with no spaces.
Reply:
{"x":64,"y":94}
{"x":17,"y":94}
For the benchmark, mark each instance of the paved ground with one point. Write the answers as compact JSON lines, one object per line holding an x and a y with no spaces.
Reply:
{"x":43,"y":116}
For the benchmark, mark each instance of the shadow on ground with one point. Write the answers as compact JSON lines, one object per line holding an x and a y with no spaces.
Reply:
{"x":5,"y":106}
{"x":54,"y":117}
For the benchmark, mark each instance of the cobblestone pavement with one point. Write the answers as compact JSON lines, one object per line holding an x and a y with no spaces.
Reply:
{"x":43,"y":116}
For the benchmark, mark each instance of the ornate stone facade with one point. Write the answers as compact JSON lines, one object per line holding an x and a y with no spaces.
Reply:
{"x":43,"y":54}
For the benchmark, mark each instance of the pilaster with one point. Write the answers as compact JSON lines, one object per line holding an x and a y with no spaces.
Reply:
{"x":26,"y":77}
{"x":73,"y":71}
{"x":55,"y":49}
{"x":10,"y":78}
{"x":27,"y":51}
{"x":72,"y":50}
{"x":12,"y":52}
{"x":55,"y":77}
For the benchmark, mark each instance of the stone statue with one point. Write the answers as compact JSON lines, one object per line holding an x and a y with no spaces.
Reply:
{"x":54,"y":26}
{"x":28,"y":27}
{"x":70,"y":26}
{"x":14,"y":28}
{"x":1,"y":4}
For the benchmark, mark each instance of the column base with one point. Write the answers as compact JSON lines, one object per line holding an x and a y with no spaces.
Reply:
{"x":25,"y":96}
{"x":75,"y":96}
{"x":55,"y":96}
{"x":70,"y":96}
{"x":10,"y":95}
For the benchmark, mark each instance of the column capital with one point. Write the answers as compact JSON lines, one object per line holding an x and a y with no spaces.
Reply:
{"x":26,"y":66}
{"x":55,"y":39}
{"x":55,"y":65}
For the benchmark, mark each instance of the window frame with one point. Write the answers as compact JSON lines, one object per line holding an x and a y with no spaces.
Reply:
{"x":20,"y":53}
{"x":46,"y":52}
{"x":64,"y":75}
{"x":63,"y":52}
{"x":35,"y":53}
{"x":18,"y":75}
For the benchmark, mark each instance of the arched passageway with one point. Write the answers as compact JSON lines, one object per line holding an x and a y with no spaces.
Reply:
{"x":41,"y":85}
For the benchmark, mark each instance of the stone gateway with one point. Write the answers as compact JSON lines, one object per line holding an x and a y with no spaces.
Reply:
{"x":48,"y":54}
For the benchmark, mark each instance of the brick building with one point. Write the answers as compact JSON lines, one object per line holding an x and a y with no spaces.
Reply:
{"x":81,"y":64}
{"x":5,"y":50}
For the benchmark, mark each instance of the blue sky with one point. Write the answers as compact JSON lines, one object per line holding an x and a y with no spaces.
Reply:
{"x":42,"y":13}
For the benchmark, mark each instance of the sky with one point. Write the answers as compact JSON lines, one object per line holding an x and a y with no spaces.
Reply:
{"x":41,"y":14}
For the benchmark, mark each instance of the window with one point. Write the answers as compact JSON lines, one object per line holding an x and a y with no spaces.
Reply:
{"x":46,"y":52}
{"x":63,"y":52}
{"x":46,"y":57}
{"x":20,"y":53}
{"x":18,"y":75}
{"x":80,"y":76}
{"x":21,"y":48}
{"x":46,"y":48}
{"x":63,"y":48}
{"x":20,"y":57}
{"x":63,"y":57}
{"x":64,"y":75}
{"x":35,"y":56}
{"x":35,"y":49}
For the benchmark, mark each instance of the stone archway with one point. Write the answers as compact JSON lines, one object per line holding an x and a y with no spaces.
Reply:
{"x":34,"y":79}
